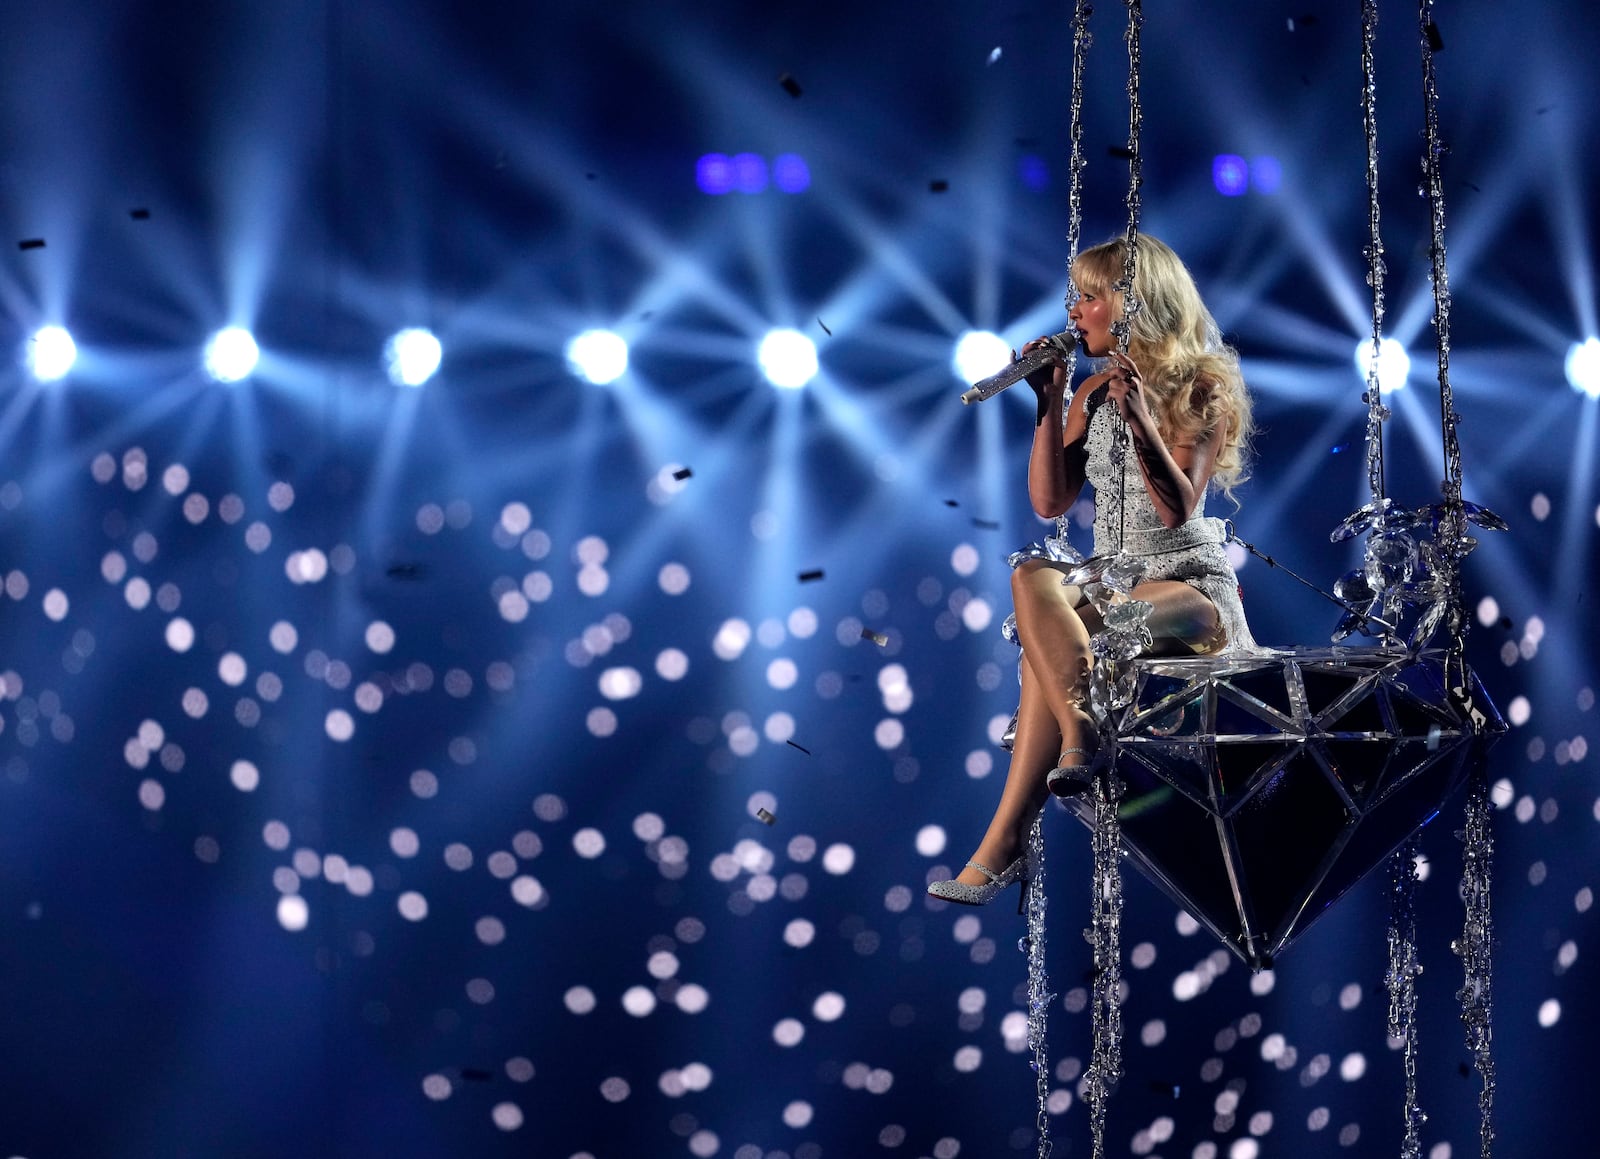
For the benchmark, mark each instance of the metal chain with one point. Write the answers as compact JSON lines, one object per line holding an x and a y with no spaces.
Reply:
{"x":1122,"y":328}
{"x":1401,"y":982}
{"x":1075,"y":166}
{"x":1452,"y":534}
{"x":1039,"y":996}
{"x":1105,"y":1066}
{"x":1476,"y":947}
{"x":1376,"y":411}
{"x":1477,"y":937}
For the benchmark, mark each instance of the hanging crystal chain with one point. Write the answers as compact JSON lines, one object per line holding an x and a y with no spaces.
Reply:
{"x":1122,"y":328}
{"x":1452,"y":539}
{"x":1376,"y":411}
{"x":1475,"y":947}
{"x":1075,"y":166}
{"x":1039,"y":996}
{"x":1105,"y":936}
{"x":1401,"y":982}
{"x":1477,"y":937}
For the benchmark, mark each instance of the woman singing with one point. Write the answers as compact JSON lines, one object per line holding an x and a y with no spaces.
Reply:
{"x":1179,"y":390}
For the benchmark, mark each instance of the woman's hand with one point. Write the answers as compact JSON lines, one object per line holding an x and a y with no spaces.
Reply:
{"x":1047,"y":378}
{"x":1125,"y":387}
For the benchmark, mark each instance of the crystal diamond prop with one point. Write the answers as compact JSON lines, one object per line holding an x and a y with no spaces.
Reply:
{"x":1260,"y":789}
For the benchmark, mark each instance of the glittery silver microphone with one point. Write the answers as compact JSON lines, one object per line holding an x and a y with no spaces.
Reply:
{"x":1056,"y":348}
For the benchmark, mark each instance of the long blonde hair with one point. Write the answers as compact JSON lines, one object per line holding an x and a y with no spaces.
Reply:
{"x":1191,"y":377}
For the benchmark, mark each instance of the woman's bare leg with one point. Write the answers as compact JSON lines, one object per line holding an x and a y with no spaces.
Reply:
{"x":1033,"y":755}
{"x":1055,"y":639}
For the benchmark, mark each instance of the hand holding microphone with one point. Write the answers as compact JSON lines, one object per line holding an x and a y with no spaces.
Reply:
{"x":1052,"y":350}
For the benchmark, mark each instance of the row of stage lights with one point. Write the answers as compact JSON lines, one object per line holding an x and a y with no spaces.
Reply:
{"x":787,"y":357}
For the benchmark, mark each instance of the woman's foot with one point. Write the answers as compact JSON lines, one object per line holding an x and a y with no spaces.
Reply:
{"x":982,"y":893}
{"x":1078,"y":763}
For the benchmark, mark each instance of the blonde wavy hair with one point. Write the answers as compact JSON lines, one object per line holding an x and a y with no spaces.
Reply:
{"x":1192,"y":378}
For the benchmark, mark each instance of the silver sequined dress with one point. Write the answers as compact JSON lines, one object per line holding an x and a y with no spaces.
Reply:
{"x":1191,"y":552}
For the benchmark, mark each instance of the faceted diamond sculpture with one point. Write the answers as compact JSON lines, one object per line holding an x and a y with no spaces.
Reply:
{"x":1259,"y":789}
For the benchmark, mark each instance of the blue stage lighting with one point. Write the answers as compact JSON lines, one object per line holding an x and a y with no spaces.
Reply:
{"x":1583,"y":366}
{"x":788,"y":358}
{"x":598,"y":356}
{"x":1033,"y":171}
{"x":1266,"y":175}
{"x":231,"y":354}
{"x":713,"y":173}
{"x":750,"y":173}
{"x":1394,"y":364}
{"x":413,"y":355}
{"x":979,"y":354}
{"x":51,"y":354}
{"x":790,"y":173}
{"x":1230,"y":174}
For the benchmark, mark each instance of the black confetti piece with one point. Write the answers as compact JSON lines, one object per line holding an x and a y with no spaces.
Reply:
{"x":682,"y":473}
{"x":802,"y":748}
{"x":987,"y":524}
{"x":475,"y":1075}
{"x":1298,"y":22}
{"x":790,"y":85}
{"x":877,"y":638}
{"x":139,"y":214}
{"x":809,"y":576}
{"x":31,"y":243}
{"x":938,"y":186}
{"x":765,"y":817}
{"x":1435,"y":41}
{"x":1170,"y":1090}
{"x":1542,"y":110}
{"x":824,"y":326}
{"x":951,"y":503}
{"x":1121,"y":151}
{"x":406,"y":571}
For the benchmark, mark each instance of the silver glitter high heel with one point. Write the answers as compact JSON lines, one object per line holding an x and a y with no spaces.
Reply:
{"x":1074,"y":780}
{"x":963,"y":894}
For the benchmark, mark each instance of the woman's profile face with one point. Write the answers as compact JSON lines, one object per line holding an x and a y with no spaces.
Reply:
{"x":1091,"y":316}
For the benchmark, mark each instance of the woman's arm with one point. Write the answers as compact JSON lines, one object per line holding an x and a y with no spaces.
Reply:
{"x":1055,"y":465}
{"x":1175,"y":477}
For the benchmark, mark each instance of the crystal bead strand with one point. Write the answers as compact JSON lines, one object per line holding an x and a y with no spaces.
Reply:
{"x":1105,"y":1066}
{"x":1475,"y":945}
{"x":1401,"y":982}
{"x":1039,"y":996}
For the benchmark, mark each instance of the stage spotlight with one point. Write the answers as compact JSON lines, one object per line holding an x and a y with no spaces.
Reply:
{"x":1394,"y":364}
{"x":790,"y":173}
{"x":1583,"y":366}
{"x":714,"y":174}
{"x":231,"y":354}
{"x":979,"y":354}
{"x":598,"y":356}
{"x":1230,"y":173}
{"x":788,"y":358}
{"x":51,"y":354}
{"x":413,"y":355}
